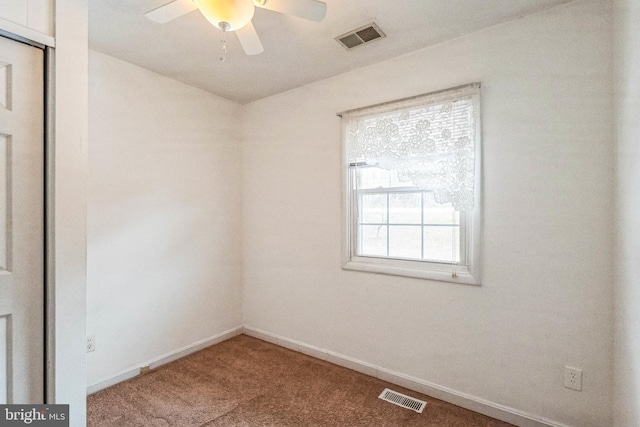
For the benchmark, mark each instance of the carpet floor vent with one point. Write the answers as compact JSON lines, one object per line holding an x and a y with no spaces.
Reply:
{"x":402,"y":400}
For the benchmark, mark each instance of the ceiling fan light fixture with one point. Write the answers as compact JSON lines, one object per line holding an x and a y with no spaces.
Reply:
{"x":236,"y":16}
{"x":229,"y":15}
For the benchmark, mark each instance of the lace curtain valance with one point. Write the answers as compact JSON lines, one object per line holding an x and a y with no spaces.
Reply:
{"x":430,"y":141}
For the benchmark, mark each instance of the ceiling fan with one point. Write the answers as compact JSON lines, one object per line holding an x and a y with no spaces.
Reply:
{"x":236,"y":15}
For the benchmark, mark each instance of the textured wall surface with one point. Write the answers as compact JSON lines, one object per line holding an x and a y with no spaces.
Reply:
{"x":547,"y":294}
{"x":164,"y":209}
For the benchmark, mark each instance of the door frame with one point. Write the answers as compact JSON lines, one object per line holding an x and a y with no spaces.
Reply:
{"x":49,"y":302}
{"x":66,"y":164}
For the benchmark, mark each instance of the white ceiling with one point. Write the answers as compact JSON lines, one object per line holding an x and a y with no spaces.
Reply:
{"x":297,"y":52}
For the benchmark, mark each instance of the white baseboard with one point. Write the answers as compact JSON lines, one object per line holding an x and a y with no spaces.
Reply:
{"x":473,"y":403}
{"x":162,"y":360}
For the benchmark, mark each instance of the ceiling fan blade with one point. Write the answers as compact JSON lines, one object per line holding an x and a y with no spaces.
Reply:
{"x":249,"y":40}
{"x":312,"y":10}
{"x":171,"y":11}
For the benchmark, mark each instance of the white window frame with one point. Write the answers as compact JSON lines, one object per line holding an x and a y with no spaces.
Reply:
{"x":467,"y":272}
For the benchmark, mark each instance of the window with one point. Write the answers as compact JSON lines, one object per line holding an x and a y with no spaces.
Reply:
{"x":412,"y":181}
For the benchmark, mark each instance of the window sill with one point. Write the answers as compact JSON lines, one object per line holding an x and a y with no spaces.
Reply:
{"x":412,"y":269}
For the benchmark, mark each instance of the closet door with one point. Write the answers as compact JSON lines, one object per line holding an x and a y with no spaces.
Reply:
{"x":21,"y":223}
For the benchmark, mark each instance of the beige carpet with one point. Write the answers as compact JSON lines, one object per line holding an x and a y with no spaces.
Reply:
{"x":248,"y":382}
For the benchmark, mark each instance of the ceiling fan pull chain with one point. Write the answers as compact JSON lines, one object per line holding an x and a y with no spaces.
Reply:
{"x":223,"y":57}
{"x":224,"y":27}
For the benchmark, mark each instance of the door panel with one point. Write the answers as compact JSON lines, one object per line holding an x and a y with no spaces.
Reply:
{"x":21,"y":223}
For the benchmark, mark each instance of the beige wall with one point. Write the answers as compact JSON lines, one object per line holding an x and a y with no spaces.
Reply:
{"x":627,"y":107}
{"x":164,"y":209}
{"x":547,"y":293}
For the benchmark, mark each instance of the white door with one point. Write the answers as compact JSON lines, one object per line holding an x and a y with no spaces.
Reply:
{"x":21,"y":223}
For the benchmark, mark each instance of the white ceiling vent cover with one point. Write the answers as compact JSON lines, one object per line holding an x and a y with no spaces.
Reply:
{"x":402,"y":400}
{"x":360,"y":36}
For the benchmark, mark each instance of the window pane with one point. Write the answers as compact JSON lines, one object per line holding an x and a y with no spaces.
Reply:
{"x":373,"y":209}
{"x":373,"y":240}
{"x":373,"y":177}
{"x":405,"y":208}
{"x":436,"y":213}
{"x":405,"y":242}
{"x":442,"y":244}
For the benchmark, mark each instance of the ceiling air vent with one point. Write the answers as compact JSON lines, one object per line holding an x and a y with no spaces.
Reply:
{"x":360,"y":36}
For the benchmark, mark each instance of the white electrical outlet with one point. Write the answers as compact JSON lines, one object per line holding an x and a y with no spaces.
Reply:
{"x":91,"y":343}
{"x":573,"y":378}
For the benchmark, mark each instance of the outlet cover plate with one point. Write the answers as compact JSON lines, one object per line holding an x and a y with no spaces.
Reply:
{"x":573,"y":378}
{"x":91,"y":343}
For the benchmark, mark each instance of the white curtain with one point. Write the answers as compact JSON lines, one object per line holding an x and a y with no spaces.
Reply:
{"x":430,"y":141}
